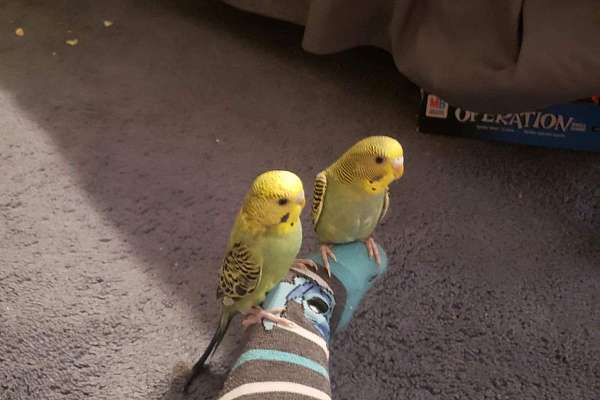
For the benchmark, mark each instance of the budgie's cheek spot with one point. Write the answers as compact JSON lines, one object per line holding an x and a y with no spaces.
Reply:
{"x":285,"y":218}
{"x":291,"y":224}
{"x":373,"y":189}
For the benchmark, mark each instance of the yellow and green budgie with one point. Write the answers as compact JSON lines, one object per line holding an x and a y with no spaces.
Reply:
{"x":265,"y":239}
{"x":351,"y":196}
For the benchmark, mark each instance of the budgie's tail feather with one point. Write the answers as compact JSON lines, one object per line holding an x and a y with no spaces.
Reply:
{"x":212,"y":346}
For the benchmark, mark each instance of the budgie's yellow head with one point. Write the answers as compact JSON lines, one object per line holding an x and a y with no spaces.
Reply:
{"x":275,"y":201}
{"x":372,"y":163}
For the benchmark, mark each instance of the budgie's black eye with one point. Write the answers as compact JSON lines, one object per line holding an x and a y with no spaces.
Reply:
{"x":283,"y":202}
{"x":378,"y":159}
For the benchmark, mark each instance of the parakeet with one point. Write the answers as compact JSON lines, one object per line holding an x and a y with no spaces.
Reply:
{"x":265,"y":239}
{"x":351,"y":196}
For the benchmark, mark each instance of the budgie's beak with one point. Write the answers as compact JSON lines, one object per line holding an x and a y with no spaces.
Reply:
{"x":398,"y":166}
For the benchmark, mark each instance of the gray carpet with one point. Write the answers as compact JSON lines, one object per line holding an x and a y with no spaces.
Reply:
{"x":123,"y":160}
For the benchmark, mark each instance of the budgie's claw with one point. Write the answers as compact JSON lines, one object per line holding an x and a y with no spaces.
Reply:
{"x":326,"y":252}
{"x":256,"y":314}
{"x":305,"y":263}
{"x":373,"y":250}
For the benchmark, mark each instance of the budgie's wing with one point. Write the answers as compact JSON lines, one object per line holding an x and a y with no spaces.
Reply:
{"x":240,"y":273}
{"x":318,"y":197}
{"x":385,"y":206}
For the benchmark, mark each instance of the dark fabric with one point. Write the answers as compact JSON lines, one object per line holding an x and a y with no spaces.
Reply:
{"x":485,"y":55}
{"x":258,"y":371}
{"x":340,"y":299}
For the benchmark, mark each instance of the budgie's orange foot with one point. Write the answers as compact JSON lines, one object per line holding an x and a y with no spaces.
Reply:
{"x":373,"y":249}
{"x":326,"y":252}
{"x":305,"y":263}
{"x":256,"y":314}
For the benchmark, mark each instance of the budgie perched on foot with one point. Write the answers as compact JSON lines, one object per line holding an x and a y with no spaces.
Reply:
{"x":265,"y":239}
{"x":351,"y":196}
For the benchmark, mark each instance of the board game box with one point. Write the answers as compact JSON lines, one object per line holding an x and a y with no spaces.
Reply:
{"x":574,"y":125}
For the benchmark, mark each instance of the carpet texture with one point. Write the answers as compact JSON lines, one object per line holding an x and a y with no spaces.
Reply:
{"x":124,"y":158}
